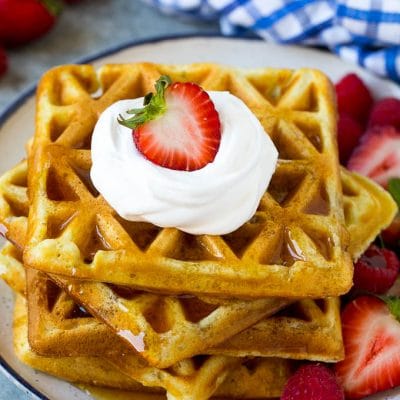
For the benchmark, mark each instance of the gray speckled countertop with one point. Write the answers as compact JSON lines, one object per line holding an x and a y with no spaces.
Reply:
{"x":84,"y":29}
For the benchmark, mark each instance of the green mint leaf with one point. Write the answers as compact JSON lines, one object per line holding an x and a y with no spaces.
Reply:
{"x":393,"y":304}
{"x":394,"y":189}
{"x":153,"y":106}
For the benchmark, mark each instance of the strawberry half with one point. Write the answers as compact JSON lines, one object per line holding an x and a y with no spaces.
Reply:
{"x":378,"y":155}
{"x":178,"y":128}
{"x":371,"y":336}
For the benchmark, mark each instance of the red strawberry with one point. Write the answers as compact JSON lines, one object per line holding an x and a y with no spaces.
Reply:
{"x":178,"y":128}
{"x":391,"y":235}
{"x":3,"y":62}
{"x":386,"y":112}
{"x":371,"y":336}
{"x":24,"y":20}
{"x":376,"y":270}
{"x":312,"y":382}
{"x":349,"y":133}
{"x":378,"y":155}
{"x":353,"y":98}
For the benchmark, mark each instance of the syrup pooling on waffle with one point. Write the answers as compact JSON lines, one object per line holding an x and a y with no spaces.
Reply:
{"x":72,"y":229}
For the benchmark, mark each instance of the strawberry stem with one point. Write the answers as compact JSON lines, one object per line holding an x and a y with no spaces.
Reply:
{"x":393,"y":304}
{"x":394,"y":189}
{"x":54,"y":7}
{"x":154,"y":106}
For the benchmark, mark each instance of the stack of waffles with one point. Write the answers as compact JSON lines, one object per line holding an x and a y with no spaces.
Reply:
{"x":132,"y":306}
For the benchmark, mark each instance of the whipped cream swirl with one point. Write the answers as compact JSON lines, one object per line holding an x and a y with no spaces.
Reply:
{"x":216,"y":199}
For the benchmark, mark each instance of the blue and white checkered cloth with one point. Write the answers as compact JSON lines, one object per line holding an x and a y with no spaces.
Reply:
{"x":366,"y":32}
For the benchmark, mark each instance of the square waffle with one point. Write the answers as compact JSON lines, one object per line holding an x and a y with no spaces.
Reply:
{"x":267,"y":381}
{"x":258,"y":378}
{"x":174,"y":328}
{"x":308,"y":329}
{"x":296,"y":241}
{"x":196,"y":378}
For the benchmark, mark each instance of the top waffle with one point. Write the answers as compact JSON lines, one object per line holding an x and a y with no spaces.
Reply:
{"x":295,"y":244}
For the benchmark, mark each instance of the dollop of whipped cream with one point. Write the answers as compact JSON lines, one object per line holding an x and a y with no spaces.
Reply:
{"x":216,"y":199}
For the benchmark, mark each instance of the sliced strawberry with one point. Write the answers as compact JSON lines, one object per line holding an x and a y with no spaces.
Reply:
{"x":178,"y":128}
{"x":371,"y":336}
{"x":349,"y":133}
{"x":354,"y":98}
{"x":312,"y":382}
{"x":376,"y":270}
{"x":378,"y":155}
{"x":386,"y":112}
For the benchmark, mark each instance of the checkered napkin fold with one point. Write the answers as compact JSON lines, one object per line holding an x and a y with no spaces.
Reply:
{"x":366,"y":32}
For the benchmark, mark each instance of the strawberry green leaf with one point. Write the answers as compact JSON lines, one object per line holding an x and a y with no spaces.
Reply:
{"x":393,"y":304}
{"x":394,"y":189}
{"x":154,"y":106}
{"x":53,"y":6}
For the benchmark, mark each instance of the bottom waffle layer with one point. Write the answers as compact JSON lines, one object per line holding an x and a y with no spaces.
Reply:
{"x":251,"y":378}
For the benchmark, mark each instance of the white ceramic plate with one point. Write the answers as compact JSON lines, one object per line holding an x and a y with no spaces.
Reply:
{"x":16,"y":126}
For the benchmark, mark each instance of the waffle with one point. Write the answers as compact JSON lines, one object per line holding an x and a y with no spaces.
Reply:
{"x":313,"y":326}
{"x":311,"y":329}
{"x":368,"y":209}
{"x":296,"y":241}
{"x":258,"y":378}
{"x":166,"y":322}
{"x":259,"y":371}
{"x":14,"y":204}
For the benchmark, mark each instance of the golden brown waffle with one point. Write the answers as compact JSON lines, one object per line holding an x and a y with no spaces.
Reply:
{"x":167,"y":329}
{"x":368,"y":209}
{"x":60,"y":327}
{"x":258,"y":378}
{"x":295,"y":244}
{"x":14,"y":204}
{"x":288,"y":317}
{"x":311,"y":329}
{"x":314,"y":325}
{"x":190,"y":379}
{"x":165,"y":322}
{"x":11,"y":268}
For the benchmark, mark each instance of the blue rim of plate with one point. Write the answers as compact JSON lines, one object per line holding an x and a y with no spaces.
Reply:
{"x":7,"y":370}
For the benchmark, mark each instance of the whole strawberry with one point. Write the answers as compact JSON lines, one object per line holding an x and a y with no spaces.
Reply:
{"x":24,"y":20}
{"x":376,"y":270}
{"x":349,"y":133}
{"x":3,"y":62}
{"x":386,"y":112}
{"x":354,"y":98}
{"x":312,"y":382}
